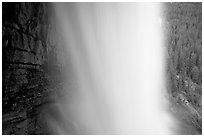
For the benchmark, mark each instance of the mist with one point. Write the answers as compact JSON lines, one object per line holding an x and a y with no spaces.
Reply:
{"x":114,"y":77}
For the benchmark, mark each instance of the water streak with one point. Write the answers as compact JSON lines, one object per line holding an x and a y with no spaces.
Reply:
{"x":115,"y":82}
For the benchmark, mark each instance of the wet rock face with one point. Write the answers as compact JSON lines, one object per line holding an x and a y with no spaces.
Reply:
{"x":31,"y":18}
{"x":24,"y":49}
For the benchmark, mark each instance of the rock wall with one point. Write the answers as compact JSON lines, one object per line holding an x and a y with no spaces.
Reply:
{"x":24,"y":52}
{"x":184,"y":40}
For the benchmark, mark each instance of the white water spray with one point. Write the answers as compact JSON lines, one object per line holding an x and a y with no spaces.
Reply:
{"x":115,"y":82}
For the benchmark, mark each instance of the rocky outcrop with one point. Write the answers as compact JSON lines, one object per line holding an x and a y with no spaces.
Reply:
{"x":24,"y":49}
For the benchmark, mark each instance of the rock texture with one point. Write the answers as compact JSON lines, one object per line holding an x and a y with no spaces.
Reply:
{"x":184,"y":40}
{"x":24,"y":49}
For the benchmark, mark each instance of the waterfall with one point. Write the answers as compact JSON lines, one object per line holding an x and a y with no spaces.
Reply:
{"x":115,"y":80}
